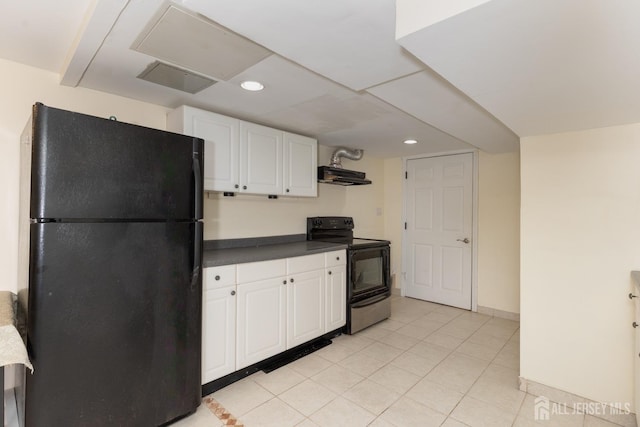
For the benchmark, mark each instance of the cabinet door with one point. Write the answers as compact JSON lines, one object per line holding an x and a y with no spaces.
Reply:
{"x":636,"y":356}
{"x":222,"y":144}
{"x":336,"y":297}
{"x":300,"y":165}
{"x":261,"y":327}
{"x":305,"y":314}
{"x":218,"y":333}
{"x":260,"y":159}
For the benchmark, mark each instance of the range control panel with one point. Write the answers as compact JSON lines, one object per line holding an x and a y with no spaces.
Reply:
{"x":330,"y":223}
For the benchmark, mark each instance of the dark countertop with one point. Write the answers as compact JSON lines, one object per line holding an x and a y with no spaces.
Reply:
{"x":218,"y":252}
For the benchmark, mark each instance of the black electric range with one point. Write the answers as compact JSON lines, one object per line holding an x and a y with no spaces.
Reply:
{"x":368,"y":270}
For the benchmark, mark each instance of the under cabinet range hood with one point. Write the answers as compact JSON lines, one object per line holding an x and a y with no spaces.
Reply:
{"x":340,"y":176}
{"x":335,"y":174}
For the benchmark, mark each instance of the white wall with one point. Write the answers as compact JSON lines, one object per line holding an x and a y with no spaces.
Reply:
{"x":499,"y":231}
{"x":580,"y":238}
{"x":251,"y":216}
{"x":21,"y":87}
{"x":393,"y":222}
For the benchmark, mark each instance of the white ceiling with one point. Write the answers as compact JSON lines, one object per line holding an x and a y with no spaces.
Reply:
{"x":541,"y":66}
{"x":484,"y":77}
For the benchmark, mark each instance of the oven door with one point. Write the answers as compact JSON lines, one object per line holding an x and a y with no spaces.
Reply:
{"x":368,"y":273}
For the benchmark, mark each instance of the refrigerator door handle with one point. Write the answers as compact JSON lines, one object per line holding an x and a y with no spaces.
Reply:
{"x":197,"y":255}
{"x":197,"y":179}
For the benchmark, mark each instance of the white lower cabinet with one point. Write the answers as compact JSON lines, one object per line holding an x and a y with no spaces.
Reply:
{"x":218,"y":322}
{"x":636,"y":355}
{"x":268,"y":307}
{"x":305,"y":307}
{"x":261,"y":323}
{"x":218,"y":333}
{"x":335,"y":297}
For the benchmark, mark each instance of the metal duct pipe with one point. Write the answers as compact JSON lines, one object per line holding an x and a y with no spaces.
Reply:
{"x":344,"y":152}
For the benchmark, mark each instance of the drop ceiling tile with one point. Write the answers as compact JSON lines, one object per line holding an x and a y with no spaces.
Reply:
{"x":431,"y":99}
{"x":350,"y":42}
{"x":194,"y":43}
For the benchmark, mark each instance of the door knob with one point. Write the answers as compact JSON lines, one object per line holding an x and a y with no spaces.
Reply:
{"x":465,"y":240}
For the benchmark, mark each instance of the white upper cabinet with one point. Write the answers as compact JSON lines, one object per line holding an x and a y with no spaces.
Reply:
{"x":221,"y":147}
{"x":300,"y":165}
{"x":245,"y":157}
{"x":261,"y":154}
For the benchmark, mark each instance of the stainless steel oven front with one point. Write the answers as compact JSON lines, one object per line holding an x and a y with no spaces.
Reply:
{"x":369,"y":287}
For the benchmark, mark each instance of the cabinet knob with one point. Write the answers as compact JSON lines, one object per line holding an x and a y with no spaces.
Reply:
{"x":217,"y":277}
{"x":233,"y":292}
{"x":284,"y":282}
{"x":632,"y":296}
{"x":244,"y":187}
{"x":287,"y":190}
{"x":337,"y":258}
{"x":236,"y":186}
{"x":329,"y":271}
{"x":291,"y":280}
{"x":635,"y":325}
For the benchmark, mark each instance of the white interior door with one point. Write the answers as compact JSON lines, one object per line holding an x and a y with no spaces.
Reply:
{"x":439,"y":228}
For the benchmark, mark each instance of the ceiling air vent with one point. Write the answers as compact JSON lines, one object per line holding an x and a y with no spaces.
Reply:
{"x":176,"y":78}
{"x":193,"y":42}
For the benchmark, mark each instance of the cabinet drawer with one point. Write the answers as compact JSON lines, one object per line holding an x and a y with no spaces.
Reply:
{"x":219,"y":277}
{"x":253,"y":271}
{"x":304,"y":263}
{"x":335,"y":258}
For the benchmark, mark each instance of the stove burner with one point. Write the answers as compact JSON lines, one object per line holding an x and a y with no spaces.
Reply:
{"x":338,"y":229}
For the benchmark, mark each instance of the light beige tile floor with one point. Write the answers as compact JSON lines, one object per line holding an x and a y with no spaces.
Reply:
{"x":428,"y":365}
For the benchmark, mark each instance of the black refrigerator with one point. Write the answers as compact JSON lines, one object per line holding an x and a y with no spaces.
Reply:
{"x":114,"y":290}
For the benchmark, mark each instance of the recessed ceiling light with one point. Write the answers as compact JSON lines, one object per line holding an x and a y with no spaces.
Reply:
{"x":410,"y":141}
{"x":252,"y":85}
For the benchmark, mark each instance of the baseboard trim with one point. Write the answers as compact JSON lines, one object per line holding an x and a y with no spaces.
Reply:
{"x":499,"y":313}
{"x":604,"y":411}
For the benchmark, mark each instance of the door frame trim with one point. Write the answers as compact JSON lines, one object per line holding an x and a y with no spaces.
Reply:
{"x":474,"y":221}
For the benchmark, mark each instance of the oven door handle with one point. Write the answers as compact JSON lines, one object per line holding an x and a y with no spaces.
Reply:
{"x":369,"y":302}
